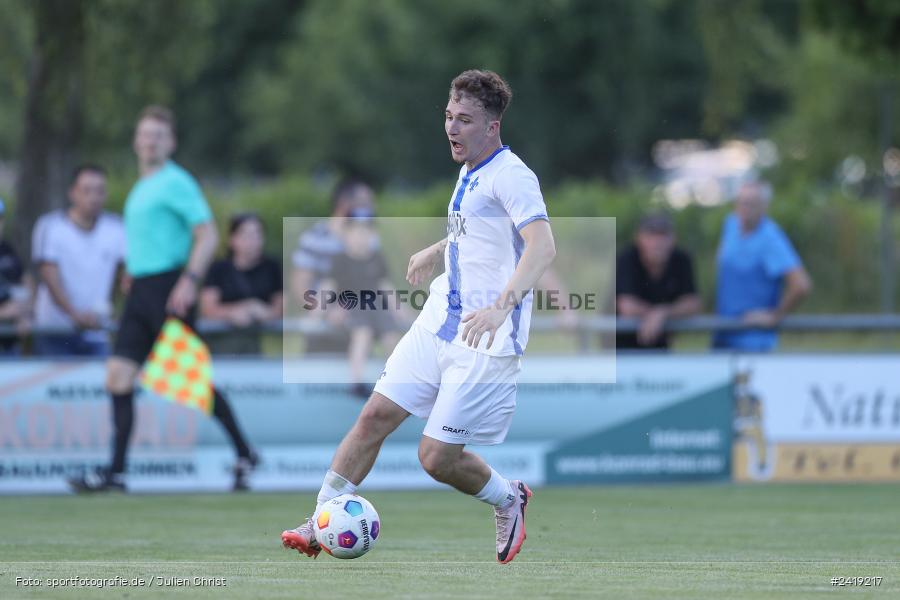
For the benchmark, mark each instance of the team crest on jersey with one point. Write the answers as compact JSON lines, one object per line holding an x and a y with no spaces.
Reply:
{"x":456,"y":225}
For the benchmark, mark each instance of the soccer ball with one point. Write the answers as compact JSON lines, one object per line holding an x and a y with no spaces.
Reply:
{"x":346,"y":526}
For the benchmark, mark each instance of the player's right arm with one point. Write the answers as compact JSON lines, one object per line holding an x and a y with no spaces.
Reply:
{"x":422,"y":263}
{"x":185,"y":292}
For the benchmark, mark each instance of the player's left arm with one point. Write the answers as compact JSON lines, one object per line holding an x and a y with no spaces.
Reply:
{"x":540,"y":250}
{"x":184,"y":294}
{"x":782,"y":261}
{"x":797,"y":285}
{"x":422,"y":263}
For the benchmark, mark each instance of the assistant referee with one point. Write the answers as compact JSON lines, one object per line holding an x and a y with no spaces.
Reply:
{"x":171,"y":239}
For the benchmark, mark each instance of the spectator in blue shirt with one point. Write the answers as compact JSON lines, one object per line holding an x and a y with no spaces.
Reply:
{"x":760,"y":276}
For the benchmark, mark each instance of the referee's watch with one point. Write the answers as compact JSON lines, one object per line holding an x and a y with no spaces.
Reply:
{"x":193,"y":277}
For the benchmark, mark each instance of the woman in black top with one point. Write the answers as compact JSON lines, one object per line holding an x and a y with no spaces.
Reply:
{"x":244,"y":289}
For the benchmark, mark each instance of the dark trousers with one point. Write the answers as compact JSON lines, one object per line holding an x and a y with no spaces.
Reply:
{"x":142,"y":319}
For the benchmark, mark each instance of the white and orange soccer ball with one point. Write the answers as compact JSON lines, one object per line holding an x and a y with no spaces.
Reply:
{"x":347,"y":526}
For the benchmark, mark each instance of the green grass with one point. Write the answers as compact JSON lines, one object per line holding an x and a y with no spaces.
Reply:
{"x":722,"y":541}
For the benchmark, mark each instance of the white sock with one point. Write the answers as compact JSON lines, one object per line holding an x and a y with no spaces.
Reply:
{"x":333,"y":486}
{"x":497,"y":491}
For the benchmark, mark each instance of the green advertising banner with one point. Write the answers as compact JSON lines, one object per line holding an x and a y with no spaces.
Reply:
{"x":665,"y":418}
{"x":676,"y":425}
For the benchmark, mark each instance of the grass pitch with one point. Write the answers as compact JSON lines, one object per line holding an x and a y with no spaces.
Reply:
{"x":696,"y":541}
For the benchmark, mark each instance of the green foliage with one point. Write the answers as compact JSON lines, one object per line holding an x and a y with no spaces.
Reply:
{"x":287,"y":87}
{"x":836,"y":111}
{"x":743,"y":40}
{"x":135,"y":57}
{"x":870,"y":28}
{"x":812,"y":75}
{"x":16,"y":32}
{"x":361,"y":86}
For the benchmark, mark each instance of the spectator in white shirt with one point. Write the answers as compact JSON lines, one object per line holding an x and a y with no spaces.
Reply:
{"x":77,"y":252}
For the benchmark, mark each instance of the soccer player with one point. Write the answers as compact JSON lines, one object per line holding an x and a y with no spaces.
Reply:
{"x":457,"y":365}
{"x":171,"y":241}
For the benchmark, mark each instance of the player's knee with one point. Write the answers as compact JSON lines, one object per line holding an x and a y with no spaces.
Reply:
{"x":436,"y":463}
{"x":120,"y":376}
{"x":374,"y":422}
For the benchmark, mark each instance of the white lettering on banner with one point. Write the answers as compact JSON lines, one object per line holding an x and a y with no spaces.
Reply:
{"x":644,"y":464}
{"x":678,"y":439}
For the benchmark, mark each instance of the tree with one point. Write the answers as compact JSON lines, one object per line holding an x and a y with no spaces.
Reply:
{"x":54,"y":112}
{"x":92,"y":66}
{"x":746,"y":44}
{"x":870,"y":28}
{"x":361,"y":86}
{"x":16,"y":35}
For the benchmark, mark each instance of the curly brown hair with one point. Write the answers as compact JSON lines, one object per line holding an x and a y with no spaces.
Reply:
{"x":488,"y":88}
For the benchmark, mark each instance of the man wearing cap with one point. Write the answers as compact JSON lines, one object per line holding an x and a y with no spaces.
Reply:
{"x":15,"y":305}
{"x":654,"y":283}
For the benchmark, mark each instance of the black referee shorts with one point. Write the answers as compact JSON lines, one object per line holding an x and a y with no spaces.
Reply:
{"x":144,"y":315}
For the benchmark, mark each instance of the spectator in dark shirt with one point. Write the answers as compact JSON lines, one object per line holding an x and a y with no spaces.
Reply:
{"x":244,"y":289}
{"x":15,"y":305}
{"x":654,"y":282}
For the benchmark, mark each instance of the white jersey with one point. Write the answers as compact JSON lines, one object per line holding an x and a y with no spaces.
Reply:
{"x":87,"y":262}
{"x":491,"y":204}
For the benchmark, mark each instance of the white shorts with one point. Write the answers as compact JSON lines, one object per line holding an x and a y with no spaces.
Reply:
{"x":468,"y":397}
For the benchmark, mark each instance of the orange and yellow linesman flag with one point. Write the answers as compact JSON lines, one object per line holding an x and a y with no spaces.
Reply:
{"x":179,"y":368}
